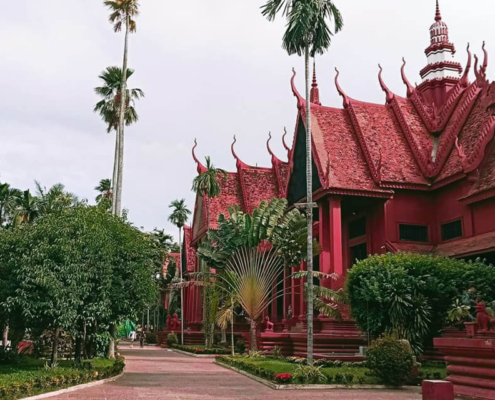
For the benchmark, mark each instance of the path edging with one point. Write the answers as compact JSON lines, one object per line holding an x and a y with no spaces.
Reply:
{"x":185,"y":353}
{"x":73,"y":388}
{"x":275,"y":386}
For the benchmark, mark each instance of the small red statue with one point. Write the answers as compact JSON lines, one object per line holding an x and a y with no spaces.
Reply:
{"x":269,"y":324}
{"x":486,"y":322}
{"x":175,"y":322}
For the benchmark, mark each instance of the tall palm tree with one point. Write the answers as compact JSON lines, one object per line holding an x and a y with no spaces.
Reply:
{"x":26,"y":208}
{"x":207,"y":185}
{"x":109,"y":107}
{"x":105,"y":190}
{"x":8,"y":200}
{"x":165,"y":240}
{"x":179,"y":218}
{"x":307,"y":34}
{"x":123,"y":12}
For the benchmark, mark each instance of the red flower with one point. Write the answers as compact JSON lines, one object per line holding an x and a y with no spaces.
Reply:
{"x":283,"y":377}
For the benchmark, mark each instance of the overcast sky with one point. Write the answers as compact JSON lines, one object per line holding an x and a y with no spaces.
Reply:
{"x":210,"y":69}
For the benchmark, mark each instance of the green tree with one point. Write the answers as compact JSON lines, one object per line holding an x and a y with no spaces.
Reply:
{"x":122,"y":14}
{"x":26,"y":208}
{"x":307,"y":34}
{"x":109,"y":108}
{"x":54,"y":199}
{"x":104,"y":189}
{"x":8,"y":202}
{"x":179,"y":217}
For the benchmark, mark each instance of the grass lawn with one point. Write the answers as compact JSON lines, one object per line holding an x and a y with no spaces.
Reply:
{"x":30,"y":377}
{"x":268,"y":367}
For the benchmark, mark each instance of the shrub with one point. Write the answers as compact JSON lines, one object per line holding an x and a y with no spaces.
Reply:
{"x":329,"y":379}
{"x":308,"y":374}
{"x":254,"y":354}
{"x":360,"y":380}
{"x":151,"y":337}
{"x":240,"y":346}
{"x":172,"y":339}
{"x":339,"y":378}
{"x":391,"y":360}
{"x":337,"y":363}
{"x":349,"y":378}
{"x":437,"y":375}
{"x":277,"y":352}
{"x":412,"y":293}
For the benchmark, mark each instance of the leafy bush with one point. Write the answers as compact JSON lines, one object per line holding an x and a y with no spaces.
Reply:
{"x":349,"y":378}
{"x":240,"y":346}
{"x":172,"y":339}
{"x":202,"y":350}
{"x":254,"y":354}
{"x":151,"y":338}
{"x":339,"y":378}
{"x":8,"y":356}
{"x":391,"y":360}
{"x":277,"y":352}
{"x":308,"y":374}
{"x":410,"y":294}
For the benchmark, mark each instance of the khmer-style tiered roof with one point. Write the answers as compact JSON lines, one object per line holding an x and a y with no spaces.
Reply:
{"x":247,"y":187}
{"x":435,"y":135}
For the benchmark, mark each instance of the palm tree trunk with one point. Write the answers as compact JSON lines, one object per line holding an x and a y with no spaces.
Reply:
{"x":5,"y":336}
{"x":123,"y":106}
{"x":181,"y":293}
{"x":115,"y":174}
{"x":309,"y":201}
{"x":111,"y":344}
{"x":54,"y":358}
{"x":223,"y":340}
{"x":232,"y":325}
{"x":253,"y":339}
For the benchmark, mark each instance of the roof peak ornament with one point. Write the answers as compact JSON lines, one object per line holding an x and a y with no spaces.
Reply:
{"x":201,"y":167}
{"x":410,"y":88}
{"x":339,"y":89}
{"x":315,"y":92}
{"x":390,"y":95}
{"x":485,"y":60}
{"x":275,"y":159}
{"x":438,"y":15}
{"x":283,"y":139}
{"x":239,"y":163}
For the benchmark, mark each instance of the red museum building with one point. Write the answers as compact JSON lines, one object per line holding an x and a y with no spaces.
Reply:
{"x":416,"y":173}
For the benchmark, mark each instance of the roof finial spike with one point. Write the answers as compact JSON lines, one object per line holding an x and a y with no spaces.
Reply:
{"x":476,"y":72}
{"x":268,"y":144}
{"x":339,"y":89}
{"x":438,"y":16}
{"x":201,"y":167}
{"x":300,"y":100}
{"x":410,"y":88}
{"x":283,"y":140}
{"x":315,"y":92}
{"x":390,"y":95}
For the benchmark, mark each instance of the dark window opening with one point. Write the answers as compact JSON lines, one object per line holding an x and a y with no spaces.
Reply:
{"x":452,"y":230}
{"x":413,"y":233}
{"x":357,"y":228}
{"x":359,"y":252}
{"x":316,"y":268}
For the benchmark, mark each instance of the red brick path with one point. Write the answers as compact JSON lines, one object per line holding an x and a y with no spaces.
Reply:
{"x":155,"y":373}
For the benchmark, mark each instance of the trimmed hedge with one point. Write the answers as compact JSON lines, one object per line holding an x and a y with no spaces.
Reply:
{"x":202,"y":349}
{"x":29,"y":380}
{"x":434,"y":282}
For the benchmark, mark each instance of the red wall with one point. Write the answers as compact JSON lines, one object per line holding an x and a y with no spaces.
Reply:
{"x":484,"y":216}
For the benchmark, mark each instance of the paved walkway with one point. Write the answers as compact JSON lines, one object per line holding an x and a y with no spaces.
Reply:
{"x":154,"y":373}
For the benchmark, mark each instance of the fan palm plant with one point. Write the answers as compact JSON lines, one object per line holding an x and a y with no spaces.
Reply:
{"x":53,"y":199}
{"x":179,"y":218}
{"x":122,"y":14}
{"x":105,"y":191}
{"x":109,"y":108}
{"x":307,"y":34}
{"x":8,"y":199}
{"x":26,"y":208}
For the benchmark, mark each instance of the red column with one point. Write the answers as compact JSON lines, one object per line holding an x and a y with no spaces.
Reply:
{"x":324,"y":240}
{"x":335,"y":233}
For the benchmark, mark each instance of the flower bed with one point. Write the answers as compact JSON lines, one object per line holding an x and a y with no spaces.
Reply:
{"x":293,"y":370}
{"x":202,"y":349}
{"x":30,"y":377}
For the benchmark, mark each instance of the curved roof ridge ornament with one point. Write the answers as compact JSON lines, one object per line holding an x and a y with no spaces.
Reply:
{"x":479,"y":78}
{"x":485,"y":60}
{"x":300,"y":100}
{"x":275,"y":159}
{"x":201,"y":167}
{"x":239,"y":163}
{"x":465,"y":78}
{"x":460,"y":151}
{"x":339,"y":89}
{"x":283,"y":140}
{"x":410,"y":88}
{"x":390,"y":95}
